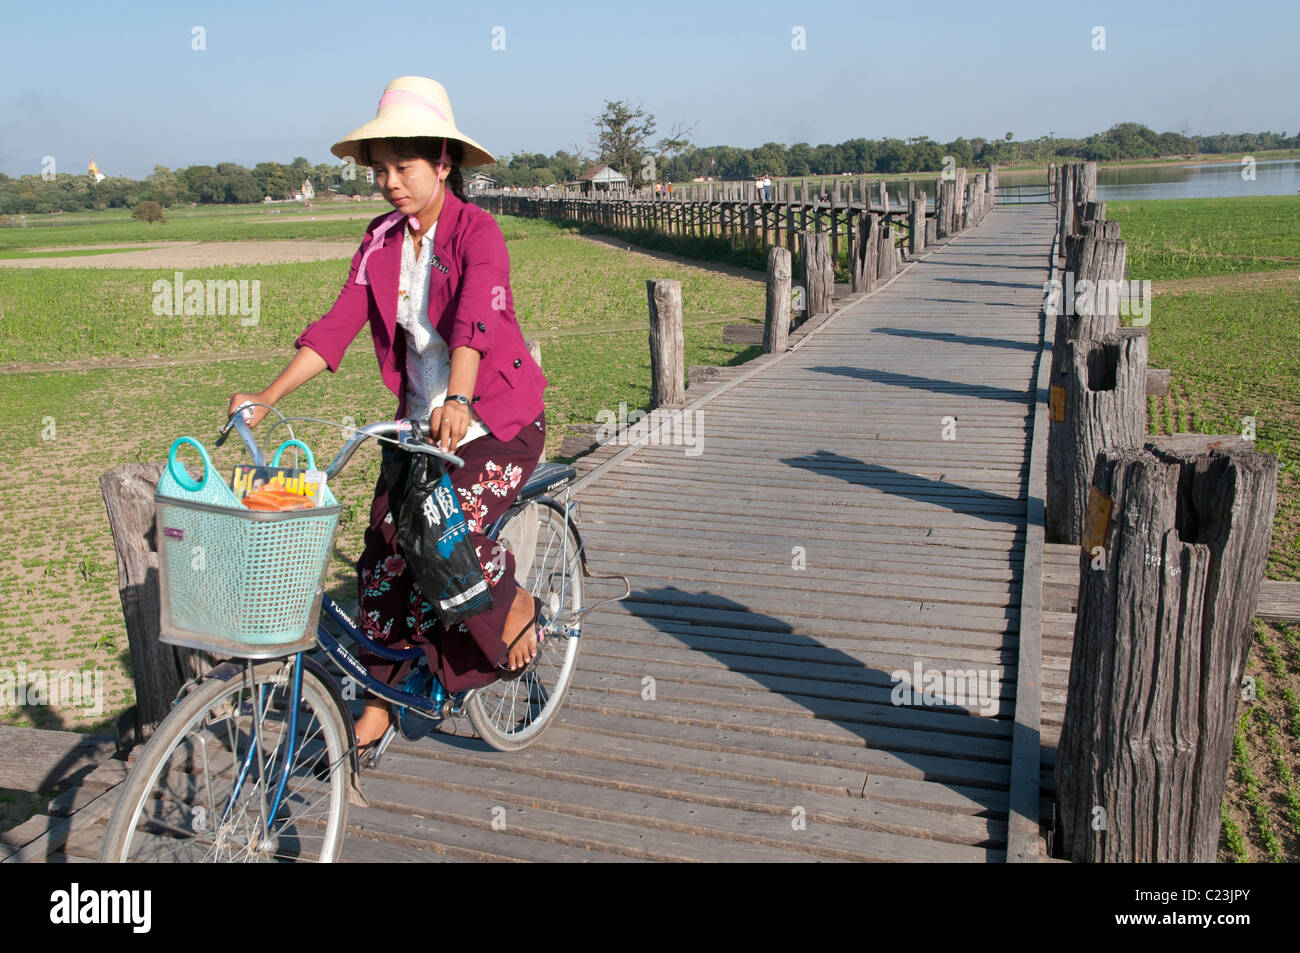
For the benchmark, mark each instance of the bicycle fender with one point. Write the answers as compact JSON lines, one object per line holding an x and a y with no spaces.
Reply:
{"x":495,"y":528}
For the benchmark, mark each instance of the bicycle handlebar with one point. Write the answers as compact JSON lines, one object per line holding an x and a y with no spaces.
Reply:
{"x":408,"y":434}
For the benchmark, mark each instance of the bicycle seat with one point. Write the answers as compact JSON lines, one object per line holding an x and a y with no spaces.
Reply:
{"x":545,"y":479}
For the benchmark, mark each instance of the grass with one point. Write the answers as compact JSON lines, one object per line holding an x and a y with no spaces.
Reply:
{"x":221,"y":223}
{"x":72,"y":253}
{"x":561,"y":284}
{"x":1191,"y":238}
{"x":1236,"y":354}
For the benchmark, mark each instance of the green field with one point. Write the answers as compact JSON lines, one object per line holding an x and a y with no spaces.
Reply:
{"x":1191,"y":238}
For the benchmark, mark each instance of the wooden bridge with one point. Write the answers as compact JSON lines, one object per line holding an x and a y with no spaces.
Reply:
{"x":856,"y":517}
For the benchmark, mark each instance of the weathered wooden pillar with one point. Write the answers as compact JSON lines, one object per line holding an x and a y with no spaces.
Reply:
{"x":886,"y":252}
{"x":1085,"y":189}
{"x":1100,"y":401}
{"x":159,"y":669}
{"x":834,"y":227}
{"x":818,"y":273}
{"x":1065,"y":221}
{"x":862,"y":269}
{"x":942,"y":209}
{"x":667,"y":345}
{"x":1168,"y":585}
{"x":916,"y":227}
{"x":776,"y":325}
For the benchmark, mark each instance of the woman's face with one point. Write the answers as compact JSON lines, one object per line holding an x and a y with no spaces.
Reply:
{"x":405,"y":183}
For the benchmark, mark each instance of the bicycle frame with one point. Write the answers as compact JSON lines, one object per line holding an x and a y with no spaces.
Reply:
{"x":345,"y":660}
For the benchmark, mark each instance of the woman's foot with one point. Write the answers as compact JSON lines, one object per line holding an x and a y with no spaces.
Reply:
{"x":374,"y":721}
{"x":521,"y":614}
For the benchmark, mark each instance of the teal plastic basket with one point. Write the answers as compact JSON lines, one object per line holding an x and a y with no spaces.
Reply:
{"x":230,"y":576}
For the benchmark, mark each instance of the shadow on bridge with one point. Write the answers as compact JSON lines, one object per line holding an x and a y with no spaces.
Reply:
{"x":952,"y":338}
{"x":994,"y":507}
{"x":938,"y":736}
{"x":895,"y":379}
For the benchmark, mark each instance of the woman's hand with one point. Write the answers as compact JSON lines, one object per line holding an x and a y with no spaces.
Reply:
{"x":255,"y":413}
{"x":448,"y":425}
{"x":305,"y":365}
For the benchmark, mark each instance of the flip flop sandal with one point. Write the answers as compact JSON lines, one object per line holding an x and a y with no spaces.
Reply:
{"x":506,"y":674}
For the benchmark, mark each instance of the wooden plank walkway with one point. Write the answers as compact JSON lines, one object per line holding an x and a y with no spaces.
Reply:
{"x":826,"y":537}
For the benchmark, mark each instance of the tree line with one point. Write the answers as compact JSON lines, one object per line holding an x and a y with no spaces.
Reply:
{"x":623,"y":143}
{"x":226,"y":183}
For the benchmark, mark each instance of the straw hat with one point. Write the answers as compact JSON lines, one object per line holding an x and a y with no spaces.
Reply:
{"x":412,"y":106}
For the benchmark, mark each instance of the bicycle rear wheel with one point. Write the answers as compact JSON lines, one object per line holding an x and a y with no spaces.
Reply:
{"x":510,"y":715}
{"x":204,"y":785}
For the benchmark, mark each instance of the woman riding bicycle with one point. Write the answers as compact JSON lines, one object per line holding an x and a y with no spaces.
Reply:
{"x":432,"y":279}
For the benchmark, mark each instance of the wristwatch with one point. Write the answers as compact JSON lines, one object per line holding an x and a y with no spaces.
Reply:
{"x":459,"y":397}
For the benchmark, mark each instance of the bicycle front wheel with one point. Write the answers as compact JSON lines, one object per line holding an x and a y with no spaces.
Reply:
{"x":512,"y":714}
{"x":213,"y":785}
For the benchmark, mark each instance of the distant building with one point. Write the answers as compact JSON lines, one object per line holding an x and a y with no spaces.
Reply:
{"x":601,"y":177}
{"x":480,"y":181}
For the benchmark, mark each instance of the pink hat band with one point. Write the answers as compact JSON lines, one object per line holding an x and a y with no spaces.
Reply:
{"x":405,"y":97}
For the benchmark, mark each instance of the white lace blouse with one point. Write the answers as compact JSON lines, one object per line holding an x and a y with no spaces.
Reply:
{"x":428,"y":363}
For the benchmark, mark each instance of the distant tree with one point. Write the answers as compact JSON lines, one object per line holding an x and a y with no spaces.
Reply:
{"x":148,"y":212}
{"x":622,"y":134}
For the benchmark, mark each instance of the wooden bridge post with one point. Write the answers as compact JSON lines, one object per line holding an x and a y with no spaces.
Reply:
{"x":916,"y":226}
{"x":943,"y":209}
{"x":862,"y":269}
{"x":1086,"y":187}
{"x":1104,"y":393}
{"x":1161,"y":637}
{"x":159,"y":669}
{"x":1084,"y":316}
{"x":667,"y":345}
{"x":818,"y":273}
{"x":887,"y":263}
{"x":1065,"y":222}
{"x":776,"y":325}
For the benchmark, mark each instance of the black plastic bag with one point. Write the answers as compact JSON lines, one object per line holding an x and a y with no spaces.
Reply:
{"x":433,"y":535}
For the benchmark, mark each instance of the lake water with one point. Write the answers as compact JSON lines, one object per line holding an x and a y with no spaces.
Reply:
{"x":1191,"y":181}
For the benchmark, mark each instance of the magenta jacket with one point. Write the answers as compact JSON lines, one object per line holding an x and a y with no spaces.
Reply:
{"x":470,"y":303}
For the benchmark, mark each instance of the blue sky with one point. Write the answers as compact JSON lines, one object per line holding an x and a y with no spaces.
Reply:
{"x":125,"y":84}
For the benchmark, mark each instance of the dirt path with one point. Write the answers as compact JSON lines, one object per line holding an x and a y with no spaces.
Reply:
{"x":200,"y":255}
{"x":1240,"y":282}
